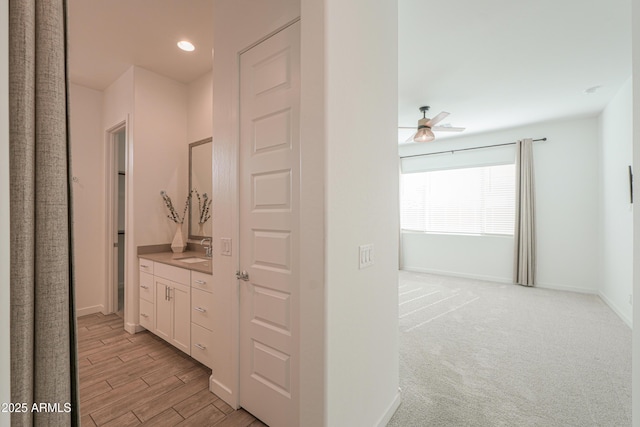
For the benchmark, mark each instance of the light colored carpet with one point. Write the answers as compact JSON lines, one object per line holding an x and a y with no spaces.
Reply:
{"x":476,"y":353}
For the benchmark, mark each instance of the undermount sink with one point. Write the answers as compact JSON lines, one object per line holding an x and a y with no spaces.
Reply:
{"x":192,"y":260}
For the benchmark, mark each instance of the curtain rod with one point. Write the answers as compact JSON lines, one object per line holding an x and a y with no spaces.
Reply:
{"x":465,"y":149}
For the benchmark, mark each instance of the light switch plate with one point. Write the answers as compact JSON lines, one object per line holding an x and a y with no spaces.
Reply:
{"x":225,"y":246}
{"x":365,"y":256}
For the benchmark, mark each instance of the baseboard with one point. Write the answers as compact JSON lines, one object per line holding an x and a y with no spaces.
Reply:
{"x":391,"y":409}
{"x":616,"y":310}
{"x":133,"y":328}
{"x":552,"y":286}
{"x":457,"y":274}
{"x":557,"y":287}
{"x":89,"y":310}
{"x":223,"y":392}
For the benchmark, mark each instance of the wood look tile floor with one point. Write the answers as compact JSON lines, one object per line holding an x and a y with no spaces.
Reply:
{"x":130,"y":380}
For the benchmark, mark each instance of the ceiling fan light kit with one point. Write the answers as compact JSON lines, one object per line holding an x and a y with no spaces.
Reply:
{"x":424,"y":134}
{"x":426,"y":126}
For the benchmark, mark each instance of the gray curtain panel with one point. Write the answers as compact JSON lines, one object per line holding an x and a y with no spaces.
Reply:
{"x":524,"y":270}
{"x":43,"y":343}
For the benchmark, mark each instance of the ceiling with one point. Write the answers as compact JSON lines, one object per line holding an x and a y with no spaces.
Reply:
{"x":106,"y":37}
{"x":497,"y":64}
{"x":492,"y":64}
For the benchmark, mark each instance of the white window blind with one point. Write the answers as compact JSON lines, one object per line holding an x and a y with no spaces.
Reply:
{"x":477,"y":200}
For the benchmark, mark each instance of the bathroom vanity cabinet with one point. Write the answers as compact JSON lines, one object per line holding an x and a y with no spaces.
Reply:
{"x":175,"y":304}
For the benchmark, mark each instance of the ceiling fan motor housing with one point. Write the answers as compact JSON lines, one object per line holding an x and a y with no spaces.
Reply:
{"x":422,"y":123}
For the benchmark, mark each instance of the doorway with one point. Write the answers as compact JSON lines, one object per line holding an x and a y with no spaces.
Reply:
{"x":117,"y":178}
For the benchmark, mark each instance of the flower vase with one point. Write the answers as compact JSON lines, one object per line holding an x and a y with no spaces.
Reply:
{"x":201,"y":229}
{"x":178,"y":244}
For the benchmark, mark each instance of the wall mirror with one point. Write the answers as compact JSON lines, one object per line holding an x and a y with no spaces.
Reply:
{"x":200,"y":186}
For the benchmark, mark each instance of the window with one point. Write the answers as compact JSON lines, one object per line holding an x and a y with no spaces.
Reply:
{"x":478,"y":200}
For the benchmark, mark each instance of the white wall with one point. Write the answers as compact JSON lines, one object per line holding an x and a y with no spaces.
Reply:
{"x":200,"y":108}
{"x":158,"y":161}
{"x":476,"y":257}
{"x":88,"y":166}
{"x":616,"y":250}
{"x":567,"y":211}
{"x":155,"y":109}
{"x":160,"y":155}
{"x":349,"y":374}
{"x":312,"y":208}
{"x":635,"y":44}
{"x":5,"y":308}
{"x":361,"y":73}
{"x":117,"y":109}
{"x":118,"y":100}
{"x":199,"y":127}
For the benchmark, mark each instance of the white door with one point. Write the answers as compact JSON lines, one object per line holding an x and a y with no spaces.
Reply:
{"x":269,"y":195}
{"x":162,"y":309}
{"x":180,"y":296}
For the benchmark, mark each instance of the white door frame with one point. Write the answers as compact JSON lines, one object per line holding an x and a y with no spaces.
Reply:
{"x":111,"y":212}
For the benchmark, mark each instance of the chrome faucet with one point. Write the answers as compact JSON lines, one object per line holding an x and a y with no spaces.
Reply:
{"x":207,"y":249}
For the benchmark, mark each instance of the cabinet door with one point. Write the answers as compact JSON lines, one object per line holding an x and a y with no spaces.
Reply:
{"x":180,"y":297}
{"x":162,"y":309}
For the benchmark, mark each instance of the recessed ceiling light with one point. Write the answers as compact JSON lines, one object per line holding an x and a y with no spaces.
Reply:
{"x":186,"y":46}
{"x":592,"y":89}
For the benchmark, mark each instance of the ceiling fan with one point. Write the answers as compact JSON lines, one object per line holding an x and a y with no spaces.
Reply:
{"x":426,"y":126}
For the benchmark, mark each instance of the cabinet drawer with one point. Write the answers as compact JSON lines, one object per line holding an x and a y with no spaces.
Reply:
{"x":202,"y":345}
{"x":175,"y":274}
{"x":201,"y":305}
{"x":146,"y":265}
{"x":201,"y":281}
{"x":146,"y":286}
{"x":146,"y":315}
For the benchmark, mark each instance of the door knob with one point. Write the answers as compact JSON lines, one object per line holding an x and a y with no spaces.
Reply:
{"x":242,"y":275}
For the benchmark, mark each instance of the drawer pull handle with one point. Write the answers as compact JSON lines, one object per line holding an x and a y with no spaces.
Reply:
{"x":144,"y":287}
{"x":201,"y":282}
{"x":200,"y":346}
{"x":144,"y":266}
{"x":144,"y":315}
{"x":200,"y":309}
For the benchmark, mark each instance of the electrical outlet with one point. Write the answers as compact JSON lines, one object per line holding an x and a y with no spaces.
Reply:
{"x":225,"y":243}
{"x":630,"y":299}
{"x":365,"y":256}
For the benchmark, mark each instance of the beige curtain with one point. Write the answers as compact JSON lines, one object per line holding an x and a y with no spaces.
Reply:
{"x":43,"y":343}
{"x":524,"y":270}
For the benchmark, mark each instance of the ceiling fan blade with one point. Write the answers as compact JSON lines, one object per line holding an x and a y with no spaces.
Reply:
{"x":410,"y":139}
{"x":447,"y":129}
{"x":437,"y":119}
{"x":406,"y":127}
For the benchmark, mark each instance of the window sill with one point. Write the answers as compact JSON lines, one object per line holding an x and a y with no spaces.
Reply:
{"x":433,"y":233}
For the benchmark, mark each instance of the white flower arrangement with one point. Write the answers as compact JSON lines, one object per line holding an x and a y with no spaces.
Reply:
{"x":204,"y":207}
{"x":173,"y":215}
